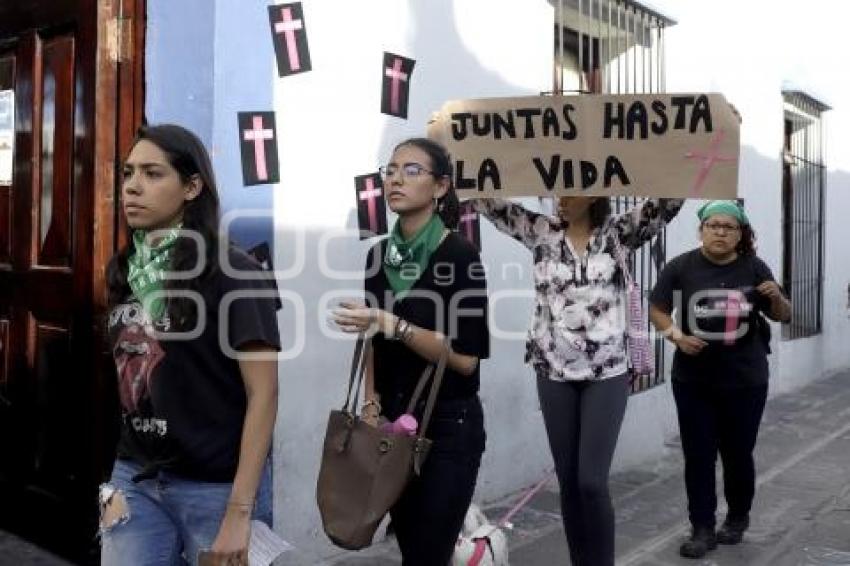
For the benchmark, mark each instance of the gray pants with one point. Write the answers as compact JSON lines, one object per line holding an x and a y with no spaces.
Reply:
{"x":583,"y":420}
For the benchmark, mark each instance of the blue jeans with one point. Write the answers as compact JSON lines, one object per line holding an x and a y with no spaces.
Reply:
{"x":169,"y":519}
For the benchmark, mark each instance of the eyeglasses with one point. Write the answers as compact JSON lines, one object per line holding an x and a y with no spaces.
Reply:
{"x":408,"y":171}
{"x":718,"y":227}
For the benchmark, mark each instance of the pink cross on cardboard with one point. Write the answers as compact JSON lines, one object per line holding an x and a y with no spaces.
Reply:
{"x":707,"y":161}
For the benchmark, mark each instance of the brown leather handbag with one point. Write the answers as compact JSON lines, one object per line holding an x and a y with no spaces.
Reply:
{"x":365,"y":469}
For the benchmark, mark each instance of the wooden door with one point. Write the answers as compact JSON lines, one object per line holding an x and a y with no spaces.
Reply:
{"x":64,"y":60}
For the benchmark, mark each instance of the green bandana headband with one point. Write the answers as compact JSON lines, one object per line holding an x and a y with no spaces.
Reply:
{"x":727,"y":207}
{"x":406,"y":260}
{"x":147,"y":268}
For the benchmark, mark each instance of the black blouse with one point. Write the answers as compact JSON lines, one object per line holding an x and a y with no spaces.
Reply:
{"x":450,"y":297}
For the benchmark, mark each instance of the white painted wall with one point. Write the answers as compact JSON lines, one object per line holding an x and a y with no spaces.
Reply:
{"x":331,"y":130}
{"x":747,"y":50}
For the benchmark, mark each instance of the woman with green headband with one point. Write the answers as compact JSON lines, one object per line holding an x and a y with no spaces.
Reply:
{"x":720,"y":371}
{"x":193,"y":465}
{"x":423,"y":284}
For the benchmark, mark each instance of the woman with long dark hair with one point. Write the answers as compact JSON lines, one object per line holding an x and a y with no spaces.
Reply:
{"x":423,"y":284}
{"x":577,"y":346}
{"x":720,"y":369}
{"x":196,"y":368}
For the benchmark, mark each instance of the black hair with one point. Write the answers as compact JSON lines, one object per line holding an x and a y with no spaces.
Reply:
{"x":448,"y":206}
{"x":188,"y":156}
{"x":747,"y":245}
{"x":598,"y":211}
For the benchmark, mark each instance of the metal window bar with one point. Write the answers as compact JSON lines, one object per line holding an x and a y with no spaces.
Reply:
{"x":619,"y":48}
{"x":804,"y":175}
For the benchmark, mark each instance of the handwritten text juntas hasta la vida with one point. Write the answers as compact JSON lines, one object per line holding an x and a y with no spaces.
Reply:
{"x":633,"y":121}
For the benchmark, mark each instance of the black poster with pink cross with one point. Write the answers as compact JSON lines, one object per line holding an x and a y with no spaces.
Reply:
{"x":258,"y":143}
{"x":371,"y":205}
{"x":289,"y":34}
{"x":469,"y":224}
{"x":395,"y":91}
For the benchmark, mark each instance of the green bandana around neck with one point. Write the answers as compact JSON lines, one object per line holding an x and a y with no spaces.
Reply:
{"x":406,"y":260}
{"x":727,"y":207}
{"x":146,"y":270}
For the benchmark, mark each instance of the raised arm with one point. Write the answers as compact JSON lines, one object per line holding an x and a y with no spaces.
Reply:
{"x":513,"y":219}
{"x":641,"y":223}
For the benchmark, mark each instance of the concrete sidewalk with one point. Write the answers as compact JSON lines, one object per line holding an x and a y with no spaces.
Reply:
{"x":801,"y":515}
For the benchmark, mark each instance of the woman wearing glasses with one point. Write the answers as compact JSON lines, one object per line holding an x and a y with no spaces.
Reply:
{"x":720,"y":369}
{"x":423,"y":283}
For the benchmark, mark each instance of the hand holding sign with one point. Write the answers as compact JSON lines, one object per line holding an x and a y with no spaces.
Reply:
{"x":666,"y":145}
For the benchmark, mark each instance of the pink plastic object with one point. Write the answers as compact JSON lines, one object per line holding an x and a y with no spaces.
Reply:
{"x":405,"y":425}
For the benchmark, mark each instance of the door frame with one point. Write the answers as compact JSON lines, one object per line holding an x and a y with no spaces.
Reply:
{"x":121,"y":70}
{"x":111,"y":58}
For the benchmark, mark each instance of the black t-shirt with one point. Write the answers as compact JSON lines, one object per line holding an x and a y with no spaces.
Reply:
{"x":450,"y":297}
{"x":719,"y":304}
{"x":183,"y":401}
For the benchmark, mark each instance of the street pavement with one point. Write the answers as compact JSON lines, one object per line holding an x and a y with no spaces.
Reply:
{"x":801,"y":515}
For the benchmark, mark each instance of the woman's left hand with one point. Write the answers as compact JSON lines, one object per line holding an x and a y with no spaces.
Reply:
{"x":231,"y":543}
{"x":355,"y":318}
{"x":771,"y":290}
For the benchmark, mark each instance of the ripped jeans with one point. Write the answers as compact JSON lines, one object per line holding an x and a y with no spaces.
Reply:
{"x":168,"y":520}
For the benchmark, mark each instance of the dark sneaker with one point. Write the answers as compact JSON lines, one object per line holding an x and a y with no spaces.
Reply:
{"x":702,"y":540}
{"x":732,"y":531}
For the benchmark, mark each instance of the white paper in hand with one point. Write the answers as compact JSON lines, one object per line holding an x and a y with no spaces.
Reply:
{"x":265,"y":545}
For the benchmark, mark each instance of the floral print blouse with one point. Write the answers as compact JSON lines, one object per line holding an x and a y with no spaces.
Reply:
{"x":578,"y":328}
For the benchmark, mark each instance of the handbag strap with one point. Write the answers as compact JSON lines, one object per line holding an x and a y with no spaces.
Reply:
{"x":363,"y":348}
{"x":435,"y":388}
{"x":358,"y":367}
{"x":420,"y":386}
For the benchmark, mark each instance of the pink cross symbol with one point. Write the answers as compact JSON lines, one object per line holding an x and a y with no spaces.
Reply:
{"x":468,"y":219}
{"x":708,"y":161}
{"x":369,"y":194}
{"x":733,"y":313}
{"x":259,"y":135}
{"x":288,"y":27}
{"x":397,"y":76}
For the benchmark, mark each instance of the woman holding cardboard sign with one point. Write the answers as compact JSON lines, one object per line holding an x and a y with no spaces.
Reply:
{"x":423,"y":284}
{"x":720,"y":369}
{"x":577,"y":346}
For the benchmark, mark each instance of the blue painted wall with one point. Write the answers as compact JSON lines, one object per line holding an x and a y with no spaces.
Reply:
{"x":179,"y":64}
{"x":205,"y":61}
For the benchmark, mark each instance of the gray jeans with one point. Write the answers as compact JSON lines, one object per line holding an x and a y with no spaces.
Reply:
{"x":583,"y":420}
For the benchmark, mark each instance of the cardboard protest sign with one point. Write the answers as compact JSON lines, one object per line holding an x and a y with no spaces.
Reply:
{"x":663,"y":145}
{"x":371,"y":205}
{"x":258,"y":145}
{"x":289,"y":35}
{"x":395,"y":84}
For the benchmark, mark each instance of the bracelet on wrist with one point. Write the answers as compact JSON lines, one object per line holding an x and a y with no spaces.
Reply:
{"x":396,"y":329}
{"x":405,"y":332}
{"x":240,"y":504}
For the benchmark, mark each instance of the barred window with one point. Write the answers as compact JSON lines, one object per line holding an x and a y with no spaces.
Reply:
{"x":619,"y":47}
{"x":803,"y":189}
